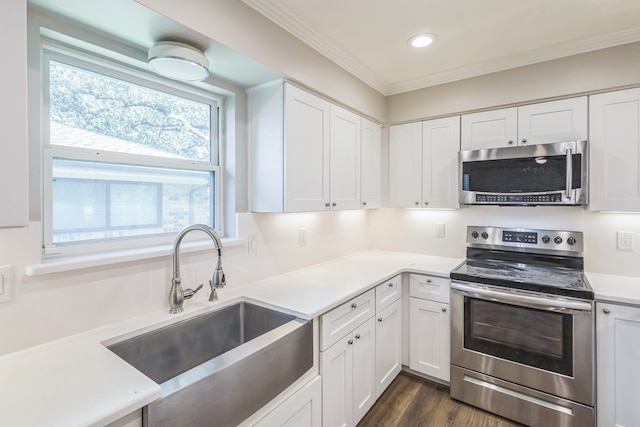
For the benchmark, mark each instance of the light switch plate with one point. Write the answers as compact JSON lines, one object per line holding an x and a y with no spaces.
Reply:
{"x":6,"y":283}
{"x":439,"y":230}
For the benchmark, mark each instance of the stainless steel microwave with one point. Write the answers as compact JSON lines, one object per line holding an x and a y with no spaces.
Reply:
{"x":543,"y":174}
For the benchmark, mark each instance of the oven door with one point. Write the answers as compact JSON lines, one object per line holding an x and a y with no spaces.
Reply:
{"x":540,"y":341}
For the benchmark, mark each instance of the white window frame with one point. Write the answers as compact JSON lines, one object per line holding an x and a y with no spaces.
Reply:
{"x":127,"y":73}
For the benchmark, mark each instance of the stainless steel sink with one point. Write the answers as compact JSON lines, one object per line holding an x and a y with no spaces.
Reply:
{"x":220,"y":367}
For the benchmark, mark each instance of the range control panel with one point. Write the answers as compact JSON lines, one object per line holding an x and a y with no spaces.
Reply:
{"x":525,"y":239}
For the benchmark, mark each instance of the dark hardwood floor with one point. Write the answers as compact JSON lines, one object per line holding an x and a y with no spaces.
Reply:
{"x":411,"y":401}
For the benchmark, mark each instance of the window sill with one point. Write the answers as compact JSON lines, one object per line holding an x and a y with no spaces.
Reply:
{"x":61,"y":265}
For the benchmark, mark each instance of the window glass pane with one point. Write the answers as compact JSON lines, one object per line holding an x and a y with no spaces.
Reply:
{"x":79,"y":204}
{"x":95,"y":200}
{"x":91,"y":110}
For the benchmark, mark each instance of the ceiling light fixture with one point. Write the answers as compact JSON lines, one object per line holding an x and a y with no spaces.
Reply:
{"x":422,"y":40}
{"x":178,"y":61}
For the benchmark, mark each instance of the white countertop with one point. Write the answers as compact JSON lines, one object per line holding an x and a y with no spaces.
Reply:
{"x":77,"y":381}
{"x":616,"y":289}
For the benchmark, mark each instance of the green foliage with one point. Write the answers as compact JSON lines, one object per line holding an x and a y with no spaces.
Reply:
{"x":112,"y":107}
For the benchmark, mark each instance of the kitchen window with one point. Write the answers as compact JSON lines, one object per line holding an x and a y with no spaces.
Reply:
{"x":128,"y":158}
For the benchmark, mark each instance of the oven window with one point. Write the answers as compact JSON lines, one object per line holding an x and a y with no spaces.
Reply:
{"x":521,"y":175}
{"x":537,"y":338}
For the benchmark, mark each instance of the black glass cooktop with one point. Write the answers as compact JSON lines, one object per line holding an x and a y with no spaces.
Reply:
{"x":538,"y":274}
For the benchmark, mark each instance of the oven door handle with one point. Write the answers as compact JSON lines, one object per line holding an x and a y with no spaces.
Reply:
{"x":542,"y":303}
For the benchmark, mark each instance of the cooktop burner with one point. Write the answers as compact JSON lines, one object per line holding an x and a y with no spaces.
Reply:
{"x":521,"y":259}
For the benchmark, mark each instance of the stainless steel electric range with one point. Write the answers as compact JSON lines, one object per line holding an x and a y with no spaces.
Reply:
{"x":522,"y":327}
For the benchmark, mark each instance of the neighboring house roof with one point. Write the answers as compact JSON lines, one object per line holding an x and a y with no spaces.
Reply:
{"x":61,"y":134}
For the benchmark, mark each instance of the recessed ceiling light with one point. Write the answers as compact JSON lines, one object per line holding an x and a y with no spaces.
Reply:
{"x":422,"y":40}
{"x":178,"y":61}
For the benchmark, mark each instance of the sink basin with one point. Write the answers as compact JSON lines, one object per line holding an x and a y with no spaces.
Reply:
{"x":219,"y":368}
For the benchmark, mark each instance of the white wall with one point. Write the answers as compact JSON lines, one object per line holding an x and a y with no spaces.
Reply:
{"x":591,"y":72}
{"x":57,"y":305}
{"x":413,"y":230}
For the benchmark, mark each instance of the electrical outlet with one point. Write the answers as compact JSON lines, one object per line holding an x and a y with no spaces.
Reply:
{"x":625,"y":240}
{"x":302,"y":237}
{"x":6,"y":283}
{"x":252,"y":244}
{"x":439,"y":230}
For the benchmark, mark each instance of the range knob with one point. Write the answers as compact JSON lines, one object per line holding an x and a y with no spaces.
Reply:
{"x":474,"y":234}
{"x":546,"y":239}
{"x":485,"y":235}
{"x":558,"y":240}
{"x":571,"y":241}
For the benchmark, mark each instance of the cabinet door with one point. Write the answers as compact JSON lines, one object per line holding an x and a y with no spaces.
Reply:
{"x":13,"y":120}
{"x":489,"y":129}
{"x":364,"y":369}
{"x":345,"y":159}
{"x":405,"y":165}
{"x":618,"y":353}
{"x":336,"y":366}
{"x":429,"y":338}
{"x":300,"y":410}
{"x":554,"y":121}
{"x":371,"y":182}
{"x":614,"y":151}
{"x":440,"y":146}
{"x":388,"y":345}
{"x":306,"y":124}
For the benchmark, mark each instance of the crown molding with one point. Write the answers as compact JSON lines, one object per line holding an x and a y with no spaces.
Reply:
{"x":548,"y":53}
{"x":281,"y":15}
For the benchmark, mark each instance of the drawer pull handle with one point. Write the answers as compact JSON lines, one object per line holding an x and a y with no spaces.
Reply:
{"x":357,"y":336}
{"x":350,"y":342}
{"x":379,"y":319}
{"x":354,"y":305}
{"x":391,"y":285}
{"x":444,"y":309}
{"x":428,"y":280}
{"x":606,"y":311}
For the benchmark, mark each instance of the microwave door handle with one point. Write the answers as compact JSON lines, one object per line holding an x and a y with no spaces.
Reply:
{"x":569,"y":182}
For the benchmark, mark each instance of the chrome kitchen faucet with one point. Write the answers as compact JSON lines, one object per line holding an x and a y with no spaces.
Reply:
{"x":176,"y":294}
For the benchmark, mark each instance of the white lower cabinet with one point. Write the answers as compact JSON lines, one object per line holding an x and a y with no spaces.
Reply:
{"x":429,"y":326}
{"x":388,"y":345}
{"x":348,"y":377}
{"x":618,"y":366}
{"x":303,"y":409}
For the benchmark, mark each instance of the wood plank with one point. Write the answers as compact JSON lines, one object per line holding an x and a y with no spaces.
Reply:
{"x":416,"y":402}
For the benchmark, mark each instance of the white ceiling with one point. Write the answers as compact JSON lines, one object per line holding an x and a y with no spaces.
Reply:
{"x":368,"y":38}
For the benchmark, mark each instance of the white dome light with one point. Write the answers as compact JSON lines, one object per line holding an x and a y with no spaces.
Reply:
{"x":422,"y":40}
{"x":178,"y":61}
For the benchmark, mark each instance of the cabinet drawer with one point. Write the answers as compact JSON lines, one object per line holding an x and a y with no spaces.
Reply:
{"x":387,"y":292}
{"x":341,"y":320}
{"x":429,"y":287}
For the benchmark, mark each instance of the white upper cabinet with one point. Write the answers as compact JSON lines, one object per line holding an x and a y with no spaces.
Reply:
{"x":405,"y":165}
{"x":13,"y":120}
{"x":440,"y":146}
{"x":554,"y":121}
{"x":423,"y":164}
{"x":371,"y":172}
{"x":345,"y":159}
{"x":614,"y":151}
{"x":545,"y":122}
{"x":306,"y":153}
{"x":489,"y":129}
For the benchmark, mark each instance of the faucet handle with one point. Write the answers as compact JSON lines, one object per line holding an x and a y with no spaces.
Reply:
{"x":188,"y":293}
